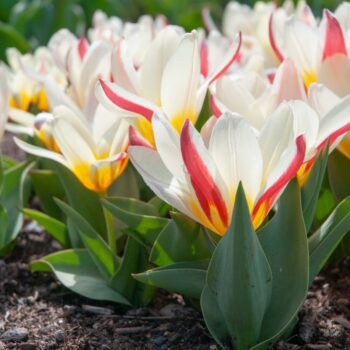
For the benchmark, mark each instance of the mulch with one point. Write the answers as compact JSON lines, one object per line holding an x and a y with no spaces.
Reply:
{"x":37,"y":312}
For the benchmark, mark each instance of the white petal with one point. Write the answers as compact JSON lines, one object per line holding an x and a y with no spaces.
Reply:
{"x":236,"y":152}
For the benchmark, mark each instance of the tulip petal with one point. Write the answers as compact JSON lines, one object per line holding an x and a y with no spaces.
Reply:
{"x":136,"y":139}
{"x":111,"y":94}
{"x":149,"y":164}
{"x":273,"y":40}
{"x":40,"y":152}
{"x":287,"y":84}
{"x":285,"y":170}
{"x":334,"y":42}
{"x":236,"y":152}
{"x":180,"y":82}
{"x":205,"y":178}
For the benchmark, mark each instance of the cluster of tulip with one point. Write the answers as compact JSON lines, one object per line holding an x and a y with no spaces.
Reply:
{"x":216,"y":127}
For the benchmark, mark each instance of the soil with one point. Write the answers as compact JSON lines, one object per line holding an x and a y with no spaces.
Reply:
{"x":36,"y":312}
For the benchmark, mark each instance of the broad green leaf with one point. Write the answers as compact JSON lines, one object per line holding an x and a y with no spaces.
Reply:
{"x":74,"y":235}
{"x":187,"y":278}
{"x":284,"y":242}
{"x":324,"y":241}
{"x":47,"y":186}
{"x":13,"y":196}
{"x":132,"y":262}
{"x":100,"y":252}
{"x":10,"y":37}
{"x":57,"y":229}
{"x":182,"y":239}
{"x":75,"y":269}
{"x":140,"y":217}
{"x":311,"y":189}
{"x":339,"y":174}
{"x":126,"y":185}
{"x":84,"y":201}
{"x":239,"y":280}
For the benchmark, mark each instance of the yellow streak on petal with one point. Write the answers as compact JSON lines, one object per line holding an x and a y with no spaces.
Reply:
{"x":145,"y":129}
{"x":309,"y":78}
{"x":21,"y":101}
{"x":42,"y":101}
{"x":344,"y":146}
{"x":178,"y":121}
{"x":48,"y":140}
{"x":260,"y":215}
{"x":102,"y":178}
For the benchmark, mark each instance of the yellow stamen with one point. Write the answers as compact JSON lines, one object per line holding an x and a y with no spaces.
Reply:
{"x":309,"y":78}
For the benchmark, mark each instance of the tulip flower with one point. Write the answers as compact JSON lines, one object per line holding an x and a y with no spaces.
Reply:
{"x":320,"y":115}
{"x":201,"y":181}
{"x":26,"y":92}
{"x":169,"y":79}
{"x":320,"y":52}
{"x":96,"y":159}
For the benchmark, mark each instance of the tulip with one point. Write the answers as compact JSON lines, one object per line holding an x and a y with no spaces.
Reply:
{"x":168,"y":79}
{"x":320,"y":115}
{"x":201,"y":181}
{"x":96,"y":159}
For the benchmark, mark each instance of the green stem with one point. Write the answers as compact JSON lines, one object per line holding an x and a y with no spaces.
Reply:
{"x":112,"y":241}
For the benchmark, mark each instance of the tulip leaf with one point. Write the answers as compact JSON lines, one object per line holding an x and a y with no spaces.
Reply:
{"x":126,"y":185}
{"x":187,"y":278}
{"x":47,"y":186}
{"x":284,"y":241}
{"x":75,"y":269}
{"x":182,"y":239}
{"x":102,"y":255}
{"x":311,"y":189}
{"x":339,"y":174}
{"x":133,"y":261}
{"x":10,"y":37}
{"x":14,"y":195}
{"x":57,"y":229}
{"x":140,"y":217}
{"x":74,"y":235}
{"x":84,"y":201}
{"x":324,"y":241}
{"x":239,"y":280}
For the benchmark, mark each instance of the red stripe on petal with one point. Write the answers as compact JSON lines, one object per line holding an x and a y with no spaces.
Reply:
{"x":334,"y":38}
{"x":334,"y":136}
{"x":204,"y":59}
{"x":126,"y":104}
{"x":273,"y":40}
{"x":136,"y":139}
{"x":206,"y":190}
{"x":83,"y":46}
{"x":228,"y":64}
{"x":214,"y":107}
{"x":268,"y":197}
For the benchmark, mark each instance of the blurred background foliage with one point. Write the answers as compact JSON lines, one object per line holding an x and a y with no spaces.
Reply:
{"x":27,"y":24}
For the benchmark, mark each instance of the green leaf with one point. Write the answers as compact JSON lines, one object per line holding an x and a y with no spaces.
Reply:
{"x":57,"y":229}
{"x":339,"y":174}
{"x":239,"y":280}
{"x":284,"y":242}
{"x":47,"y":186}
{"x":84,"y":201}
{"x":139,"y":216}
{"x":13,"y":197}
{"x":126,"y":185}
{"x":74,"y":235}
{"x":182,"y":239}
{"x":100,"y":252}
{"x":10,"y":37}
{"x":324,"y":241}
{"x":311,"y":189}
{"x":75,"y":269}
{"x":187,"y":278}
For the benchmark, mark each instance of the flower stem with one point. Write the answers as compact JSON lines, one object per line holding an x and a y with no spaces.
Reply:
{"x":112,"y":241}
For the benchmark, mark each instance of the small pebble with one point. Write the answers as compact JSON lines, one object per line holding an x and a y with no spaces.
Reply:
{"x":97,"y":310}
{"x":160,"y":340}
{"x":16,"y":334}
{"x":59,"y":335}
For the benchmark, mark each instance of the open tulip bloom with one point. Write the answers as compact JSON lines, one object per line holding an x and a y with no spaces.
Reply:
{"x":96,"y":161}
{"x":201,"y":181}
{"x":319,"y":114}
{"x":169,"y":79}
